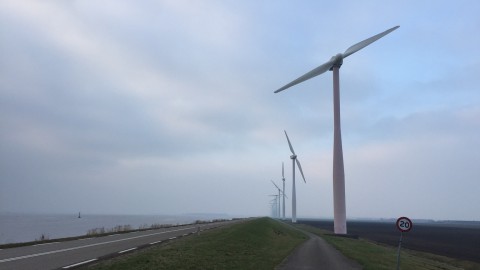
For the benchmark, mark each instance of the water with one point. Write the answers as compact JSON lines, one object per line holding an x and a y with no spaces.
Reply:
{"x":15,"y":228}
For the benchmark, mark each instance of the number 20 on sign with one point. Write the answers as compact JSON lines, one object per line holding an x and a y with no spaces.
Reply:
{"x":404,"y":224}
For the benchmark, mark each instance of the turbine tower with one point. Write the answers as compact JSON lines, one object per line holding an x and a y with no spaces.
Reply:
{"x":334,"y":64}
{"x":283,"y":191}
{"x":294,"y":196}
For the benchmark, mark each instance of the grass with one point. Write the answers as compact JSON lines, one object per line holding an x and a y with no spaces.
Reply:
{"x":256,"y":244}
{"x":373,"y":256}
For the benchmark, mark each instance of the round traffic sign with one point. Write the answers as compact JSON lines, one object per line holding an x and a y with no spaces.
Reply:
{"x":404,"y":224}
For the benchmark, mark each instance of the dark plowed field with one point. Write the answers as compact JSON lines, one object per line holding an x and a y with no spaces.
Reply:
{"x":452,"y":240}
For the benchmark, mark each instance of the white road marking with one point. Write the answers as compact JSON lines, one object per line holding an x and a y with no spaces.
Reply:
{"x":171,"y":238}
{"x":126,"y":250}
{"x":153,"y":243}
{"x":86,"y":246}
{"x":85,"y":238}
{"x":44,"y":244}
{"x":77,"y":264}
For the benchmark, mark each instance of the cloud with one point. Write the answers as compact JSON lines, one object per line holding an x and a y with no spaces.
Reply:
{"x":169,"y":106}
{"x":421,"y":159}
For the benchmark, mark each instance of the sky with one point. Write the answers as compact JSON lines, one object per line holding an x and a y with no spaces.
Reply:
{"x":167,"y":107}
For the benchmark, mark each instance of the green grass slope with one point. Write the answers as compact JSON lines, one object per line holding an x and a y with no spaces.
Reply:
{"x":256,"y":244}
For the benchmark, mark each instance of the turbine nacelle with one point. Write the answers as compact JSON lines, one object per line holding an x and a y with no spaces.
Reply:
{"x":336,"y":61}
{"x":293,"y":156}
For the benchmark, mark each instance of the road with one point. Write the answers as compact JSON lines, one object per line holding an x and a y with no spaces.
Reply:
{"x":70,"y":254}
{"x":316,"y":253}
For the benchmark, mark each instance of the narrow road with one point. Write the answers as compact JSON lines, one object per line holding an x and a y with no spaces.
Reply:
{"x":70,"y":254}
{"x":316,"y":253}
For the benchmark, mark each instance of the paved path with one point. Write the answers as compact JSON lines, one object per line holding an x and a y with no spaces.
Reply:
{"x":316,"y":253}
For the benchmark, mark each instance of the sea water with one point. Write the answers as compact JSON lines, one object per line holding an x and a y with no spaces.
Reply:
{"x":15,"y":228}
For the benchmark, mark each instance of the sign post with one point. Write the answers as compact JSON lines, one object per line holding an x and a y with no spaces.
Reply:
{"x":404,"y":224}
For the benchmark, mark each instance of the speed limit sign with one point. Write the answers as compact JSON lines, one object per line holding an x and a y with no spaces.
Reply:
{"x":404,"y":224}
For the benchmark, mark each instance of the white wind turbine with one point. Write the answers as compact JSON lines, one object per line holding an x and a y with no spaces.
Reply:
{"x":280,"y":194}
{"x":294,"y":196}
{"x":339,"y":209}
{"x":275,"y":205}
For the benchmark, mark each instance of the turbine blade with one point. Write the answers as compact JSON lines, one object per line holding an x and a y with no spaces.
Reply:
{"x":275,"y":185}
{"x":314,"y":72}
{"x":362,"y":44}
{"x":289,"y":144}
{"x":283,"y":175}
{"x":300,"y":168}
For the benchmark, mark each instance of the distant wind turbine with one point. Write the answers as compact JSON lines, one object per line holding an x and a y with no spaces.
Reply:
{"x":339,"y":209}
{"x":275,"y":205}
{"x":294,"y":196}
{"x":280,"y":194}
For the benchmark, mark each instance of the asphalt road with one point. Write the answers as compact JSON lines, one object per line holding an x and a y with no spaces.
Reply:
{"x":70,"y":254}
{"x":316,"y":253}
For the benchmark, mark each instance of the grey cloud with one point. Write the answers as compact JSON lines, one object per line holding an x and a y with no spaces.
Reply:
{"x":165,"y":102}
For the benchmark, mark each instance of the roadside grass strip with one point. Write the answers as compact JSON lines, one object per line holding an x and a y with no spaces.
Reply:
{"x":255,"y":244}
{"x":375,"y":256}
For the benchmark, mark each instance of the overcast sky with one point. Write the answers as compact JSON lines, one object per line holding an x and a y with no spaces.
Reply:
{"x":167,"y":107}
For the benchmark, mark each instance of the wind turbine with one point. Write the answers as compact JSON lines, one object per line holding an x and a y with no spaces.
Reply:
{"x":280,"y":194}
{"x":275,"y":205}
{"x":339,"y":209}
{"x":294,"y":197}
{"x":278,"y":210}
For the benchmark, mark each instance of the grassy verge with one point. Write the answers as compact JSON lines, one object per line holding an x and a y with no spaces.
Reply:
{"x":257,"y":244}
{"x":373,"y":256}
